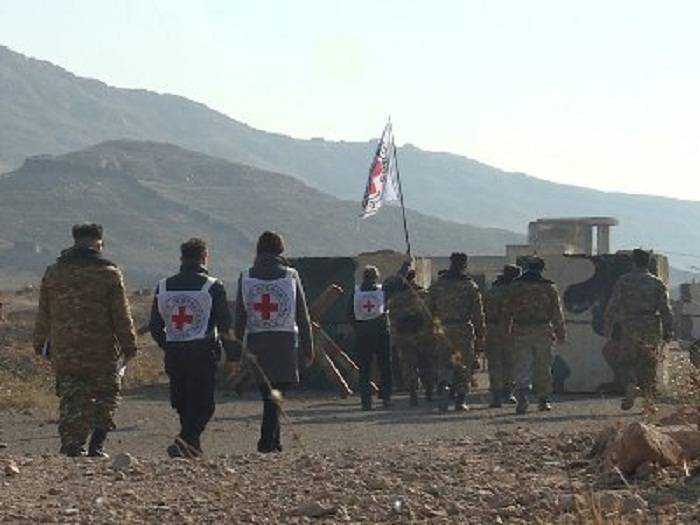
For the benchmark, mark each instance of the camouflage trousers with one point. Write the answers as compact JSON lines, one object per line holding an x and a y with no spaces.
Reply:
{"x":500,"y":353}
{"x":417,"y":356}
{"x":456,"y":356}
{"x":86,"y":403}
{"x":533,"y":362}
{"x":640,"y":355}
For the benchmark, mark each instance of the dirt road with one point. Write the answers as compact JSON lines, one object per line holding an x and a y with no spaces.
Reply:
{"x":147,"y":423}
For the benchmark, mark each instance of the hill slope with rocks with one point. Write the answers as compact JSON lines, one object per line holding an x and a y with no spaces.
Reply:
{"x":152,"y":196}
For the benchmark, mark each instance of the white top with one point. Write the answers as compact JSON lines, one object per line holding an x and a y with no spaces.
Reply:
{"x":271,"y":305}
{"x":368,"y":305}
{"x":186,"y":313}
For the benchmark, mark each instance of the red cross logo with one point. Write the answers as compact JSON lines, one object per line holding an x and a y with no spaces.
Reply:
{"x":266,"y":307}
{"x":369,"y":306}
{"x":375,"y":177}
{"x":181,"y":318}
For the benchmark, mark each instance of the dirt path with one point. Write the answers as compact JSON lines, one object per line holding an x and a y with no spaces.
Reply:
{"x":147,"y":423}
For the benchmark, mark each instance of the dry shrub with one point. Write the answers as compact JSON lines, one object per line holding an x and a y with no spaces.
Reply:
{"x":35,"y":394}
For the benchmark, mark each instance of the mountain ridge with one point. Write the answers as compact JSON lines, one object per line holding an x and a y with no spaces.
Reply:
{"x":49,"y":109}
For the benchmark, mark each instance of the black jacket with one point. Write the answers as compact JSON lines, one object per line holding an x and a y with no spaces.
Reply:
{"x":193,"y":277}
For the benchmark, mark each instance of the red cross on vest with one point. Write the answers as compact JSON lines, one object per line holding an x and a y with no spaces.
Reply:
{"x":266,"y":307}
{"x":369,"y":306}
{"x":181,"y":318}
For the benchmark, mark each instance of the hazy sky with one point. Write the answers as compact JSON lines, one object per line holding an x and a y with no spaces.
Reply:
{"x":595,"y":93}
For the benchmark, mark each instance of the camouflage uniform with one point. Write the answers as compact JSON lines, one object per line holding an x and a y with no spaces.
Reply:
{"x":412,"y":335}
{"x":640,"y":304}
{"x":455,"y":303}
{"x":533,"y":305}
{"x":500,"y":346}
{"x":84,"y":314}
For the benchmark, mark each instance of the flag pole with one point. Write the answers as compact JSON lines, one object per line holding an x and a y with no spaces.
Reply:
{"x":403,"y":207}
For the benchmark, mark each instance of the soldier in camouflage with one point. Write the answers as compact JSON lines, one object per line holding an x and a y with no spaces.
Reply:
{"x":412,"y":335}
{"x":640,"y":305}
{"x":533,"y":309}
{"x":500,"y":348}
{"x":456,"y":305}
{"x":84,"y":319}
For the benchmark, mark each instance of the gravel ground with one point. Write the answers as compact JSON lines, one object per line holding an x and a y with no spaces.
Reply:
{"x":401,"y":465}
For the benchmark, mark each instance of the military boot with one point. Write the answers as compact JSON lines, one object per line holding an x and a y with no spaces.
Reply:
{"x":96,"y":447}
{"x":522,"y":403}
{"x":461,"y":403}
{"x":413,"y":398}
{"x":508,"y":397}
{"x":545,"y":405}
{"x":73,"y":450}
{"x":631,"y":393}
{"x":496,"y":401}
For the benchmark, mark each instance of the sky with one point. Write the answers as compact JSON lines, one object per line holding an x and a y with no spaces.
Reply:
{"x":604,"y":94}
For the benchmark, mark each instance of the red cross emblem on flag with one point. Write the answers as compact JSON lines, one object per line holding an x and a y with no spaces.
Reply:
{"x":182,"y":318}
{"x":266,"y":307}
{"x":369,"y":306}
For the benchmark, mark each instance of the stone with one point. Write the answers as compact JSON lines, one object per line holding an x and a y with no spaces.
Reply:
{"x":638,"y":443}
{"x":685,"y":415}
{"x":3,"y":445}
{"x":124,"y":461}
{"x":315,"y":509}
{"x":608,"y":501}
{"x":71,"y":512}
{"x":646,"y":470}
{"x":688,"y":438}
{"x":376,"y":484}
{"x":634,"y":503}
{"x":11,"y":469}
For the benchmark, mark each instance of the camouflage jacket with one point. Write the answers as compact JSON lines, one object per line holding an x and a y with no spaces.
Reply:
{"x":455,"y":298}
{"x":639,"y":296}
{"x":408,"y":312}
{"x":534,"y":301}
{"x":84,"y":314}
{"x":493,"y":302}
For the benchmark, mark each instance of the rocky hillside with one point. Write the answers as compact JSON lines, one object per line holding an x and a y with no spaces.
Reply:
{"x":152,"y":196}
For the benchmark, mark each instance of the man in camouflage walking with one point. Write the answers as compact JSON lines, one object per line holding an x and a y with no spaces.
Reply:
{"x":500,"y":348}
{"x":640,"y":305}
{"x":85,"y":326}
{"x":411,"y":334}
{"x":455,"y":303}
{"x":533,"y":308}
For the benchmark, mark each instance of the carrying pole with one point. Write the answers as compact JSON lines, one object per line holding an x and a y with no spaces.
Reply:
{"x":403,"y":207}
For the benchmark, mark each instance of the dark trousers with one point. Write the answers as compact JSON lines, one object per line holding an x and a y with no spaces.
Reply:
{"x":367,"y":346}
{"x":270,"y":433}
{"x":192,"y":376}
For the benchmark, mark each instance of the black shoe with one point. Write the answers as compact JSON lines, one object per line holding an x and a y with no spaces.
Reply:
{"x":545,"y":405}
{"x":496,"y":400}
{"x":97,"y":443}
{"x":73,"y":450}
{"x":508,"y":398}
{"x":461,"y":404}
{"x":266,"y":448}
{"x":413,"y":398}
{"x":174,"y":451}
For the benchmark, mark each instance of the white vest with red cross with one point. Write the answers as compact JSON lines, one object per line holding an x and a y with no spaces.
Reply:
{"x":369,"y":304}
{"x":186,"y":313}
{"x":271,"y":306}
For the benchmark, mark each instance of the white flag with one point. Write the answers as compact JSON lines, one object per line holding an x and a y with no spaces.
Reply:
{"x":382,"y":183}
